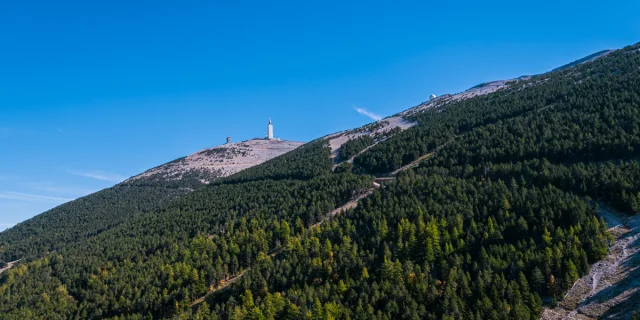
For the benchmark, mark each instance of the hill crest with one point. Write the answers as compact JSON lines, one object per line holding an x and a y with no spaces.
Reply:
{"x":220,"y":161}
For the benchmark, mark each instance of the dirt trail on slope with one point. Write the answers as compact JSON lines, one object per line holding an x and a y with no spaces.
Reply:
{"x":350,"y":160}
{"x":414,"y":163}
{"x":611,"y":290}
{"x":226,"y":284}
{"x":9,"y":266}
{"x":351,"y":204}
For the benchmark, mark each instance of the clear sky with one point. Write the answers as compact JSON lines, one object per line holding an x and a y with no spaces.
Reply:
{"x":92,"y":92}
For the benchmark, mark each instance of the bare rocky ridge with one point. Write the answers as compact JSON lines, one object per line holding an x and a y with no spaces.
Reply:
{"x":479,"y":90}
{"x":220,"y":161}
{"x":586,"y":59}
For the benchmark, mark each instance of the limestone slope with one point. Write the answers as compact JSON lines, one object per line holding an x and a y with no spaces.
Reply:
{"x":221,"y":161}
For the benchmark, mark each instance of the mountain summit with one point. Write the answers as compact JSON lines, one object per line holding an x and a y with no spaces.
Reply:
{"x":221,"y":161}
{"x":96,"y":213}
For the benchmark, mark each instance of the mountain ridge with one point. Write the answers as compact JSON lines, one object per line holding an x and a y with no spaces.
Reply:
{"x":493,"y":216}
{"x":95,"y":213}
{"x":219,"y":161}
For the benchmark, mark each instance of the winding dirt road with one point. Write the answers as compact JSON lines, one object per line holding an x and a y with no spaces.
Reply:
{"x":9,"y":266}
{"x":351,"y":204}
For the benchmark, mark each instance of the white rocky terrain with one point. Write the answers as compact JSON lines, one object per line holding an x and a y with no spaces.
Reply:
{"x":611,"y":290}
{"x":220,"y":161}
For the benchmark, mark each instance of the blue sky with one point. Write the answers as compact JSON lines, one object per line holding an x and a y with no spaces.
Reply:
{"x":94,"y":92}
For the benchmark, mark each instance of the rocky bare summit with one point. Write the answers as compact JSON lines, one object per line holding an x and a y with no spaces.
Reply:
{"x":221,"y":161}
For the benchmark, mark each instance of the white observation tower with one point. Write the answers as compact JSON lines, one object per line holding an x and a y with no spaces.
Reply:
{"x":270,"y":130}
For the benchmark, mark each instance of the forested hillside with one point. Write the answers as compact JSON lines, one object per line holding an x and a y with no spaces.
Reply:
{"x":499,"y":217}
{"x":93,"y":214}
{"x":86,"y":217}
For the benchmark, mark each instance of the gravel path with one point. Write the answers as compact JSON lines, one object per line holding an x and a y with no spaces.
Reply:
{"x":9,"y":266}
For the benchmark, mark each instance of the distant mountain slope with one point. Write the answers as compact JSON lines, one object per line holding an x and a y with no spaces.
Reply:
{"x":495,"y":218}
{"x":380,"y":129}
{"x":93,"y":214}
{"x":387,"y":127}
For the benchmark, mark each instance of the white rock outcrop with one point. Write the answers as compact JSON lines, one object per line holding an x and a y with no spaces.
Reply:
{"x":220,"y":161}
